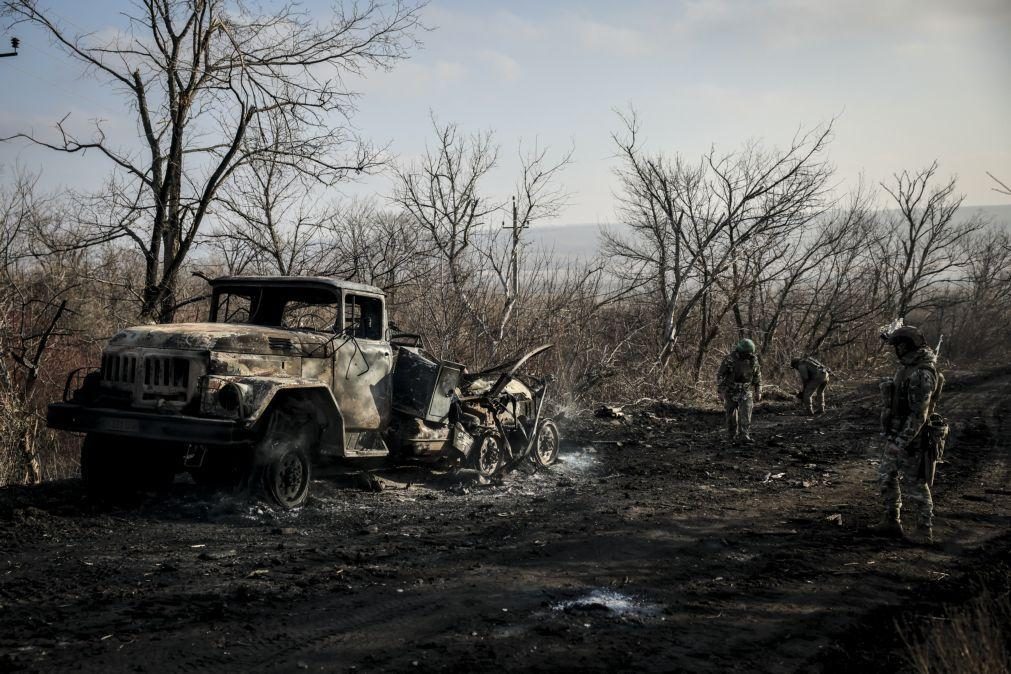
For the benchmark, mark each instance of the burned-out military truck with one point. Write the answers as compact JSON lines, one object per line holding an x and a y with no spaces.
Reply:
{"x":288,"y":372}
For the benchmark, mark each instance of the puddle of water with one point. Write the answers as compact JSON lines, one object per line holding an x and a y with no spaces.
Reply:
{"x":613,"y":603}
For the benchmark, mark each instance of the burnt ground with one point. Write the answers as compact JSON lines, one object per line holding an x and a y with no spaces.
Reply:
{"x":652,"y":546}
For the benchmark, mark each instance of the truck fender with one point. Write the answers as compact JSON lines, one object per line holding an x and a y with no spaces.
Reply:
{"x":309,"y":395}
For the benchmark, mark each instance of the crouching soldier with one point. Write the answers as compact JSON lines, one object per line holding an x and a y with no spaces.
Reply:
{"x":814,"y":378}
{"x":914,"y":435}
{"x":739,"y":386}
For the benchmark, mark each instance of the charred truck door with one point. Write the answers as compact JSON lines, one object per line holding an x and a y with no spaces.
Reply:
{"x":363,"y":364}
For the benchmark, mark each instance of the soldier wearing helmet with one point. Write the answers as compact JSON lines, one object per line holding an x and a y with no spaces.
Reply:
{"x":739,"y":386}
{"x":914,"y":435}
{"x":814,"y":378}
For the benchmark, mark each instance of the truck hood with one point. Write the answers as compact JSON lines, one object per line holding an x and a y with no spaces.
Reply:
{"x":224,"y":337}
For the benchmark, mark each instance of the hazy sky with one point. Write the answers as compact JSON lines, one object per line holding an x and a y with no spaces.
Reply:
{"x":909,"y":80}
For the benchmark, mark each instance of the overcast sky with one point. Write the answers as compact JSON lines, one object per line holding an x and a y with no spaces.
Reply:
{"x":908,"y":80}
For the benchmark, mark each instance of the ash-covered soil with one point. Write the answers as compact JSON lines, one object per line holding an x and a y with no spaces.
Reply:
{"x":651,"y":546}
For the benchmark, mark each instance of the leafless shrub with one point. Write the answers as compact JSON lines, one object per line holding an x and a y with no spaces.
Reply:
{"x":34,"y":292}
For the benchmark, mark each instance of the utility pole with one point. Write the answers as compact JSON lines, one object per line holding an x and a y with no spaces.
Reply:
{"x":14,"y":45}
{"x":514,"y":255}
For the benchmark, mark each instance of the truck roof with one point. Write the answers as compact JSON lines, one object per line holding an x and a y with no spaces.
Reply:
{"x":296,"y":282}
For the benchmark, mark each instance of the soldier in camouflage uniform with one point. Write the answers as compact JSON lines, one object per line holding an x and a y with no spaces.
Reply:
{"x":814,"y":378}
{"x":739,"y":386}
{"x":912,"y":446}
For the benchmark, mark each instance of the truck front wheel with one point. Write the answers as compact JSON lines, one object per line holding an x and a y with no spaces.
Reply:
{"x":287,"y":478}
{"x":282,"y":458}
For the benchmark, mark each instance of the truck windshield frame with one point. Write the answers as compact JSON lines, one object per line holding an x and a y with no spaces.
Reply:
{"x":293,"y":308}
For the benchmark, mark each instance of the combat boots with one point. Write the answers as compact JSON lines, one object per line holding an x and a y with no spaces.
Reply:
{"x":888,"y":526}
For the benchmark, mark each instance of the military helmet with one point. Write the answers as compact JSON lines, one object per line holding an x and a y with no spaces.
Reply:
{"x":907,"y":333}
{"x":745,"y":346}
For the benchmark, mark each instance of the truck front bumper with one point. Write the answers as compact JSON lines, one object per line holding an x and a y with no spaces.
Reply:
{"x":147,"y":425}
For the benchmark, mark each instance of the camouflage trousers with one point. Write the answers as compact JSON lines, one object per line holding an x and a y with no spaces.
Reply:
{"x":814,"y":393}
{"x":738,"y":403}
{"x":905,"y":467}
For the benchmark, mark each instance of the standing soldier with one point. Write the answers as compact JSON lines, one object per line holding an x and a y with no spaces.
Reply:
{"x":814,"y":379}
{"x":914,"y":435}
{"x":740,"y":373}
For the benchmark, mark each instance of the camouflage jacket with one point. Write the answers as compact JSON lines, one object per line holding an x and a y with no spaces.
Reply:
{"x":738,"y":370}
{"x":915,"y":390}
{"x":808,"y":368}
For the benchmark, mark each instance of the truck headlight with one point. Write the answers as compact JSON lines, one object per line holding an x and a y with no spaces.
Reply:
{"x":224,"y":398}
{"x":230,"y":397}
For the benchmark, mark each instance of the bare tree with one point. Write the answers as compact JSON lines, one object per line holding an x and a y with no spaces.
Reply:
{"x":844,"y":234}
{"x":268,"y":212}
{"x":537,"y":196}
{"x":442,"y":194}
{"x":922,"y":251}
{"x":360,"y":241}
{"x":202,"y":76}
{"x":692,"y":223}
{"x":833,"y":304}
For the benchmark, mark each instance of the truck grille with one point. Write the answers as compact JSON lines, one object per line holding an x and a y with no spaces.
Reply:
{"x":148,"y":376}
{"x":119,"y":369}
{"x":165,"y":372}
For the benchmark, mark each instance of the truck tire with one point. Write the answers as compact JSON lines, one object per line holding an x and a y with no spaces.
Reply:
{"x":286,"y":479}
{"x":282,"y":458}
{"x":489,"y":455}
{"x":545,"y":449}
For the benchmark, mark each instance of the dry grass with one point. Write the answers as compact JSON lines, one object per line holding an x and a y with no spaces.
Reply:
{"x":970,"y":639}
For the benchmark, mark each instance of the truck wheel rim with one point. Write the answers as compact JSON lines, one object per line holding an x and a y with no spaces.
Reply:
{"x":289,"y":479}
{"x":490,"y":456}
{"x":547,"y":445}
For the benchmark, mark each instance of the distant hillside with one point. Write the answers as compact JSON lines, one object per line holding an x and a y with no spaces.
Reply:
{"x":575,"y":241}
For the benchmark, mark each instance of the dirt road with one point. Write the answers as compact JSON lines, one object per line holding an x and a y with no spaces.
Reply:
{"x":652,"y":546}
